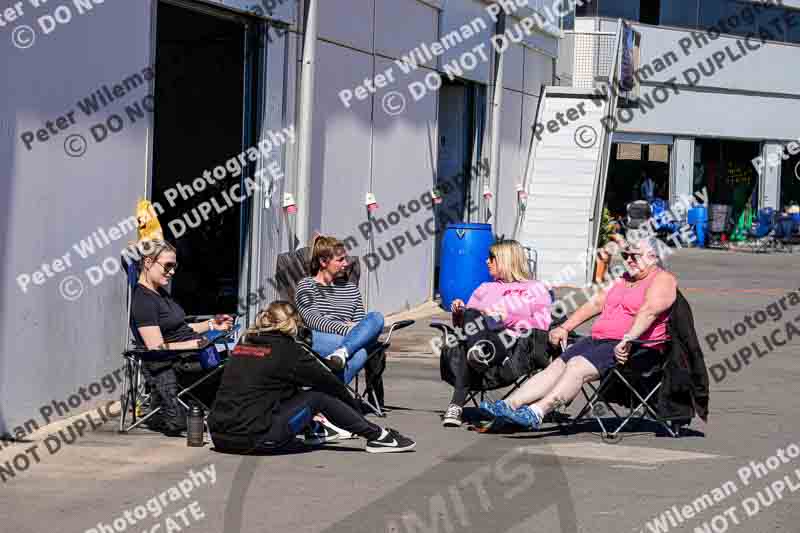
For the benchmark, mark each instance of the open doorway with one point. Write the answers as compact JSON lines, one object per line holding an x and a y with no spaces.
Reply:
{"x":201,"y":120}
{"x":630,"y":166}
{"x":459,"y":166}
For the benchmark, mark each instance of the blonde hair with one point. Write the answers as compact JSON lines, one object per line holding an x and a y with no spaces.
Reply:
{"x":511,"y":261}
{"x":323,"y":248}
{"x":152,"y":248}
{"x":279,"y":316}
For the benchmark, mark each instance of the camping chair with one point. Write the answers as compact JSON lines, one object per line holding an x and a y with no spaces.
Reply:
{"x":135,"y":393}
{"x":634,"y":385}
{"x":530,"y":356}
{"x":290,"y":268}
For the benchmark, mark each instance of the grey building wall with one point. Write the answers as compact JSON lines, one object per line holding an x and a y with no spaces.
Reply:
{"x":364,"y":149}
{"x":50,"y":346}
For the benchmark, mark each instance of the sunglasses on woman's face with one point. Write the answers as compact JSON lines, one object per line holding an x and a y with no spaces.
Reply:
{"x":491,"y":257}
{"x":169,"y":267}
{"x":629,"y":255}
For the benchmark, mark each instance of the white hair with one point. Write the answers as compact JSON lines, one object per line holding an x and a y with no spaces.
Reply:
{"x":659,"y":249}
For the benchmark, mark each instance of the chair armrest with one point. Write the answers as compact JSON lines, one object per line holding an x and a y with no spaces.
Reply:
{"x":397,"y":325}
{"x":447,"y":331}
{"x":444,"y":327}
{"x":158,"y":355}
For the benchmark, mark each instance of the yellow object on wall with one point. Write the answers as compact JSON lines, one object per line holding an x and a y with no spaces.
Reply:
{"x":148,"y":224}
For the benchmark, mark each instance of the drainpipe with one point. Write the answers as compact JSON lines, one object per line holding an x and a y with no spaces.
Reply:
{"x":305,"y":124}
{"x":494,"y":140}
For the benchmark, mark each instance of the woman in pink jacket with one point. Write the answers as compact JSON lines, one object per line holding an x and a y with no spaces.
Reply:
{"x":497,"y":313}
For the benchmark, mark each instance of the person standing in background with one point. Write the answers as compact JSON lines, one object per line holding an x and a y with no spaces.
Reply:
{"x":647,"y":187}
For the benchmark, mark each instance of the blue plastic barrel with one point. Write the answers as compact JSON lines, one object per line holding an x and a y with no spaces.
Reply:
{"x":765,"y":217}
{"x":700,"y":234}
{"x":697,"y":214}
{"x":698,"y":217}
{"x":465,"y":248}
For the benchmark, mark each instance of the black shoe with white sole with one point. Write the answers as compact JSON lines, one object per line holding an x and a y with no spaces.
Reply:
{"x":391,"y":442}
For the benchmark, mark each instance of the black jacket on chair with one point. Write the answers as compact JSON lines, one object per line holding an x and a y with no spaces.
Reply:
{"x":684,"y":392}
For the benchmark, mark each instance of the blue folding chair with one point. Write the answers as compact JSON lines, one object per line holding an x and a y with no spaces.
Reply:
{"x":135,"y":393}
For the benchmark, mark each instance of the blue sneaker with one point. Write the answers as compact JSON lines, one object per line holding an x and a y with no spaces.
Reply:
{"x":524,"y":416}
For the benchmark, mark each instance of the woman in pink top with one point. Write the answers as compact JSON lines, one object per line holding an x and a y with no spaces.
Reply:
{"x":635,"y":308}
{"x":497,"y":313}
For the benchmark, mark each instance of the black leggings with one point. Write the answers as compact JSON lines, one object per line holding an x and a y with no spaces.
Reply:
{"x":295,"y":415}
{"x":463,"y":374}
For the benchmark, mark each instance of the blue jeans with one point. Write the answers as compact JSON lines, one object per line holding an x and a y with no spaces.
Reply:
{"x":357,"y":341}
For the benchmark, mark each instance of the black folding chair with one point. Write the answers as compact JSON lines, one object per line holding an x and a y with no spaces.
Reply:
{"x":291,"y":267}
{"x":135,"y":394}
{"x":634,"y":384}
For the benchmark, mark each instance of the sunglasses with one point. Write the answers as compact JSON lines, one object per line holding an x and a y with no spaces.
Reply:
{"x":629,"y":255}
{"x":169,"y":267}
{"x":492,"y":257}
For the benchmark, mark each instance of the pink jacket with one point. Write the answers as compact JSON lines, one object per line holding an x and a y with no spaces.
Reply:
{"x":524,"y":305}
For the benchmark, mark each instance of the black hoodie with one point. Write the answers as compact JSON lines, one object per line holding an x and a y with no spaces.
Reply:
{"x":254,"y":386}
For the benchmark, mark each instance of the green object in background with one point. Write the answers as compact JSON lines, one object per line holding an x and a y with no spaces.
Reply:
{"x":742,"y":211}
{"x":744,"y":225}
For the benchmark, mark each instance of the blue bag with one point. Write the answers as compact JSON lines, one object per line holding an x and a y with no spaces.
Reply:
{"x":209,"y":357}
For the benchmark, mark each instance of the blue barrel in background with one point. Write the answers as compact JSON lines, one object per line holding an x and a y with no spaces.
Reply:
{"x":465,"y":248}
{"x":698,"y":217}
{"x":766,"y":217}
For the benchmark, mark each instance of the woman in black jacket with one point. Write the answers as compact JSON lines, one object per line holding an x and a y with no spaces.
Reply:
{"x":260,"y":405}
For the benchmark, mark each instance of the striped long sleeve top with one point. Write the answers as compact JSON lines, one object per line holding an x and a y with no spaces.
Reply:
{"x":328,"y":308}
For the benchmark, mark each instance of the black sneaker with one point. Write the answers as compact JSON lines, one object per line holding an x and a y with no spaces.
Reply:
{"x":391,"y":442}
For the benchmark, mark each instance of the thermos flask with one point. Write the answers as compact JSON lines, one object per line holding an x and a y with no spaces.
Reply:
{"x":195,"y":427}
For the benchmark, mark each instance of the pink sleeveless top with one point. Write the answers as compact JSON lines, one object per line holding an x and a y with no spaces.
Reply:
{"x":619,"y":312}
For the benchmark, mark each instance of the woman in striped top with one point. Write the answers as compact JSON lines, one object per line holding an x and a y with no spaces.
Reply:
{"x":332,"y":308}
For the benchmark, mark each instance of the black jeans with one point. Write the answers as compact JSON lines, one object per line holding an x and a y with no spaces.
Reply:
{"x":295,"y":415}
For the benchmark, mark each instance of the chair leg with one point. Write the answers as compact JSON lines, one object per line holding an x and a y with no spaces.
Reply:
{"x":125,"y":396}
{"x":643,"y":403}
{"x":196,"y":384}
{"x":591,"y":400}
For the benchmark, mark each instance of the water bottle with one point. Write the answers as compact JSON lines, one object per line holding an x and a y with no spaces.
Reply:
{"x":195,"y":427}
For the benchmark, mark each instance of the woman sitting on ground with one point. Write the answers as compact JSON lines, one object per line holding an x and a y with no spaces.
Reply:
{"x":161,"y":323}
{"x":636,"y":307}
{"x":332,"y":308}
{"x":498,"y":311}
{"x":261,"y":405}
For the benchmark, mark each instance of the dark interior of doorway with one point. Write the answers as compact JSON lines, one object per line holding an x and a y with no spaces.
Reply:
{"x":461,"y":122}
{"x":626,"y":165}
{"x":724,"y":167}
{"x":198,"y":121}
